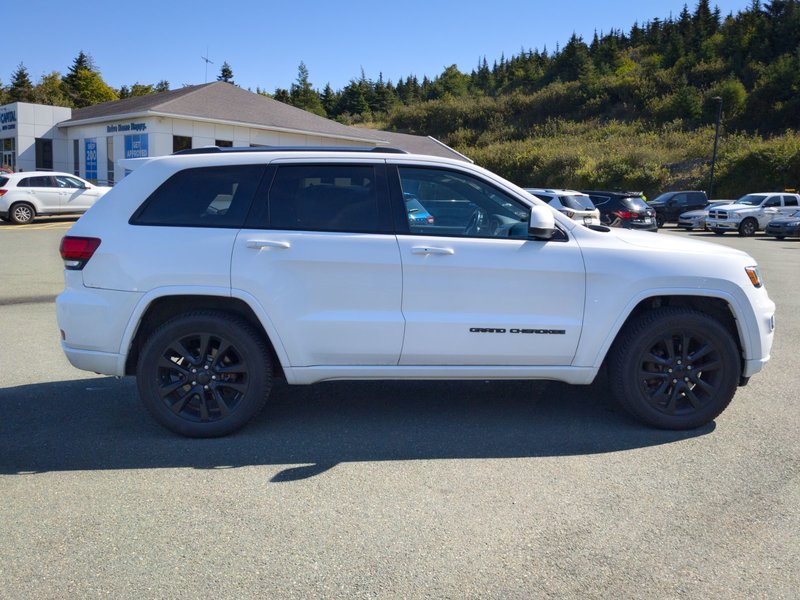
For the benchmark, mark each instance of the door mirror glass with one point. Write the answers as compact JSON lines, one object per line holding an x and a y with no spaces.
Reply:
{"x":541,"y":223}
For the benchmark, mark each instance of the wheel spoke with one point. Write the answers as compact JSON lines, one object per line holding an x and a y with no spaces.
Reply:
{"x":171,"y":365}
{"x":673,"y":400}
{"x":178,"y":406}
{"x":224,"y":347}
{"x":204,"y":349}
{"x":698,"y":354}
{"x":659,"y":360}
{"x":224,"y":409}
{"x":693,"y":399}
{"x":168,"y":388}
{"x":235,"y":386}
{"x":203,"y":408}
{"x":644,"y":374}
{"x":712,"y":366}
{"x":232,"y":369}
{"x":705,"y":386}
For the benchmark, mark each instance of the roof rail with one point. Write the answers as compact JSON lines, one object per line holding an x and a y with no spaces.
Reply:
{"x":215,"y":149}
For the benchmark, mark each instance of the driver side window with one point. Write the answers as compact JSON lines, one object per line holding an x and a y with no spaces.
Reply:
{"x":449,"y":203}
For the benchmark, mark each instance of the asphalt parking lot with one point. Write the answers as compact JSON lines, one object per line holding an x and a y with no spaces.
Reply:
{"x":388,"y":490}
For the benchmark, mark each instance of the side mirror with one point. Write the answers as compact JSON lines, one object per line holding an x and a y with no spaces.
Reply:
{"x":542,"y":223}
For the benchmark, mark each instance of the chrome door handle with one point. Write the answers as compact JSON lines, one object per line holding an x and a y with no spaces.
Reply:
{"x":431,"y":250}
{"x":259,"y":244}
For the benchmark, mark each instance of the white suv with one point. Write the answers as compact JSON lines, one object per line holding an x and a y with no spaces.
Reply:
{"x":206,"y":274}
{"x":576,"y":205}
{"x":25,"y":195}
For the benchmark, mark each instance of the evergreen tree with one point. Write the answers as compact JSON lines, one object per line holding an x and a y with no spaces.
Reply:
{"x":21,"y":88}
{"x":302,"y":95}
{"x":226,"y":73}
{"x":161,"y":86}
{"x":83,"y":84}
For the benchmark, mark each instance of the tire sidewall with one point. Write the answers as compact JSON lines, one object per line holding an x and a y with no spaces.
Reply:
{"x":643,"y":335}
{"x":246,"y":342}
{"x":13,"y":217}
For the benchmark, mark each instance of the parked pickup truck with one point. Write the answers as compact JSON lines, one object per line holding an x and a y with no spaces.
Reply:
{"x":752,"y":212}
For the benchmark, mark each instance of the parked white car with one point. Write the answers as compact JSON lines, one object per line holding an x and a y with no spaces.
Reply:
{"x":213,"y":272}
{"x":752,"y":212}
{"x":25,"y":195}
{"x":576,"y":205}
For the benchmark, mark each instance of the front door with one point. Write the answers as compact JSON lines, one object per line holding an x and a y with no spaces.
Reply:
{"x":476,"y":289}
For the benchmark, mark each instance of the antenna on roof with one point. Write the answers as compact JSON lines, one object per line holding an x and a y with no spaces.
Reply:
{"x":205,"y":58}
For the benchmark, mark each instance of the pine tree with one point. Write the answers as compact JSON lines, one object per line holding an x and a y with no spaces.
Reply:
{"x":302,"y":95}
{"x":21,"y":88}
{"x":226,"y":73}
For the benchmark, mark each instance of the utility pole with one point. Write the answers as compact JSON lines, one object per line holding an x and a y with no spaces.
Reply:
{"x":718,"y":99}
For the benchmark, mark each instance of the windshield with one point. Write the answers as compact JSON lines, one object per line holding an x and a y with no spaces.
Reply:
{"x":751,"y":200}
{"x":577,"y":202}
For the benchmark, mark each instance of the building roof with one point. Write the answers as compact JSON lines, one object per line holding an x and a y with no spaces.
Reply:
{"x":220,"y":101}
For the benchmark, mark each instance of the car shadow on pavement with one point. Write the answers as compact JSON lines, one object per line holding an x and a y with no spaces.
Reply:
{"x":93,"y":424}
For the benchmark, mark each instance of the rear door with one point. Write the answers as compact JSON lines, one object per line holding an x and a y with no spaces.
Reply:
{"x":477,"y":291}
{"x":319,"y":255}
{"x":42,"y":189}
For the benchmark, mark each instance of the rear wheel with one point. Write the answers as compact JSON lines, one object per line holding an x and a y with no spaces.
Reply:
{"x":660,"y":221}
{"x":674,"y":368}
{"x":21,"y":213}
{"x":204,"y":374}
{"x":748,"y":227}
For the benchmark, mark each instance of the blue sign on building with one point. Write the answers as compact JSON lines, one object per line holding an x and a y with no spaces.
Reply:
{"x":136,"y":146}
{"x":90,"y":144}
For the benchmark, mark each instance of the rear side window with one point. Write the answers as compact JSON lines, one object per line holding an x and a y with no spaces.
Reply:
{"x":635,"y":203}
{"x":325,"y":198}
{"x":3,"y":181}
{"x":789,"y":201}
{"x":577,"y":202}
{"x":45,"y":181}
{"x":204,"y":197}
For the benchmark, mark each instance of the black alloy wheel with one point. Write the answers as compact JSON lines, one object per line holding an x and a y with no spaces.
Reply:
{"x":675,"y":368}
{"x":204,"y":374}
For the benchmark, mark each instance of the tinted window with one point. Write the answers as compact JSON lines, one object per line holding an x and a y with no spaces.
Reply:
{"x":324,"y":198}
{"x":45,"y":181}
{"x":789,"y":201}
{"x":773,"y":201}
{"x":577,"y":202}
{"x":635,"y":203}
{"x":207,"y":197}
{"x":3,"y":181}
{"x":462,"y":205}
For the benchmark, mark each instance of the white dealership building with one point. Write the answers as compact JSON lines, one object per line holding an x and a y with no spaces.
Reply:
{"x":90,"y":141}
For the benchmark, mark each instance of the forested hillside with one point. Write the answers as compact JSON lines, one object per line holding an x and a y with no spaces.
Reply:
{"x":626,"y":109}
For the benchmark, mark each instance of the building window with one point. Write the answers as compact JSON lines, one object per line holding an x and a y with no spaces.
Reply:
{"x":76,"y":157}
{"x":9,"y":156}
{"x":223,"y":143}
{"x":44,"y":154}
{"x":110,"y":159}
{"x":181,"y":142}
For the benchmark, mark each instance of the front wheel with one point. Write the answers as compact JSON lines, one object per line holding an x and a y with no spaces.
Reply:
{"x":748,"y":227}
{"x":674,"y":368}
{"x":204,"y":374}
{"x":660,"y":221}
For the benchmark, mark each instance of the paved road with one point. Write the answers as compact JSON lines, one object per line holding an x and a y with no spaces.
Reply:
{"x":388,"y":490}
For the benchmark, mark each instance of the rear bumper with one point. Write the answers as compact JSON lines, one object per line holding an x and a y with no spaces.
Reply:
{"x":105,"y":363}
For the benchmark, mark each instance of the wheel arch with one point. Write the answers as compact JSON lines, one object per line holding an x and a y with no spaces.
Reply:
{"x":161,"y":308}
{"x":721,"y":309}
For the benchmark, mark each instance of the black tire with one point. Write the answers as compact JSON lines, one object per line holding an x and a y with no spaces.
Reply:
{"x":748,"y":227}
{"x":717,"y":232}
{"x":204,"y":374}
{"x":660,"y":221}
{"x":780,"y":237}
{"x":674,"y":368}
{"x":21,"y":213}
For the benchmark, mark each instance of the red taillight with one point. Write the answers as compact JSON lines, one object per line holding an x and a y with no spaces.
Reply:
{"x":625,"y":214}
{"x":76,"y":251}
{"x":2,"y":192}
{"x":429,"y":220}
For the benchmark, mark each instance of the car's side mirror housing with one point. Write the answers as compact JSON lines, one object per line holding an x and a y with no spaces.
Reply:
{"x":541,"y":223}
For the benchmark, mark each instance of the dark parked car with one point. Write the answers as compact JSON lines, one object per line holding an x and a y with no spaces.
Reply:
{"x":670,"y":205}
{"x":624,"y":209}
{"x":783,"y":227}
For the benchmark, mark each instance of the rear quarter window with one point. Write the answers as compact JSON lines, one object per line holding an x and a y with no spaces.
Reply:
{"x":203,"y":197}
{"x":3,"y":181}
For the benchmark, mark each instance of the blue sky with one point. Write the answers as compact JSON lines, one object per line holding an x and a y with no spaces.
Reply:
{"x":264,"y":41}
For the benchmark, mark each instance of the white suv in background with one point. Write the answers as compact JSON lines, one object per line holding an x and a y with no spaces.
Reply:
{"x":207,"y":273}
{"x":576,"y":205}
{"x":25,"y":195}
